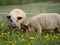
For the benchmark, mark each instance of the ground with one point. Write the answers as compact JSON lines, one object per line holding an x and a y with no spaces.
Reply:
{"x":17,"y":38}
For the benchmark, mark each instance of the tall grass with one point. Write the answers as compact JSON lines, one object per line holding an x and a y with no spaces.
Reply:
{"x":19,"y":38}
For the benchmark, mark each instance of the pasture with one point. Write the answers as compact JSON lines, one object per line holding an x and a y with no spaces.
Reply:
{"x":19,"y":38}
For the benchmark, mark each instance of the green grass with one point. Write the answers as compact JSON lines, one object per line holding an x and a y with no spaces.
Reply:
{"x":33,"y":8}
{"x":17,"y":38}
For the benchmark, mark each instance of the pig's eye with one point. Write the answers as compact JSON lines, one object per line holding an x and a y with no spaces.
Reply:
{"x":19,"y":18}
{"x":8,"y":17}
{"x":11,"y":20}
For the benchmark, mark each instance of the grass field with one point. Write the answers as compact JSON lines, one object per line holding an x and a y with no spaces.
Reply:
{"x":17,"y":38}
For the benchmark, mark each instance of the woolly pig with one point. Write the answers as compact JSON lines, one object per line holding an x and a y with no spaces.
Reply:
{"x":42,"y":21}
{"x":15,"y":18}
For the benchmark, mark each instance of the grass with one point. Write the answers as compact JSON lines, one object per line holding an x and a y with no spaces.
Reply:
{"x":17,"y":38}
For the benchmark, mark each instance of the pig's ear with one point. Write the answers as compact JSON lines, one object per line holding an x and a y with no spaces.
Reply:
{"x":26,"y":26}
{"x":8,"y":17}
{"x":23,"y":26}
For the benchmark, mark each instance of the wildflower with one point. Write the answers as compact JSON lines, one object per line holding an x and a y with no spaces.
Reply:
{"x":46,"y":36}
{"x":29,"y":44}
{"x":23,"y":39}
{"x":13,"y":43}
{"x":56,"y":37}
{"x":9,"y":41}
{"x":18,"y":32}
{"x":8,"y":32}
{"x":5,"y":33}
{"x":0,"y":35}
{"x":2,"y":24}
{"x":48,"y":39}
{"x":32,"y":38}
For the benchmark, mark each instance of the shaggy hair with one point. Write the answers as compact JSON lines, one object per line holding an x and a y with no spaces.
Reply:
{"x":42,"y":21}
{"x":16,"y":17}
